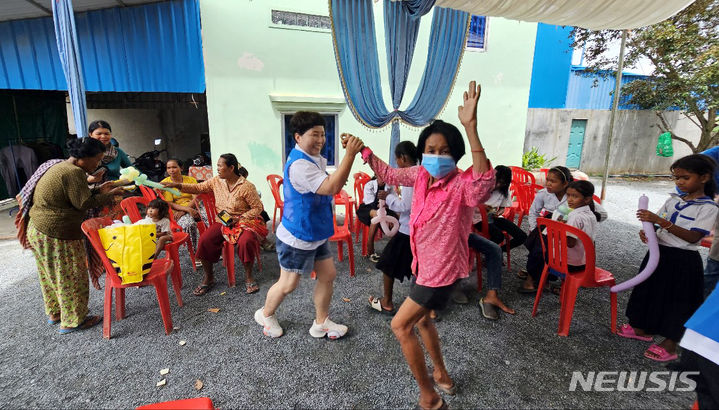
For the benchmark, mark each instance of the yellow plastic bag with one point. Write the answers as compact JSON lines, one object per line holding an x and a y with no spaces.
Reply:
{"x":130,"y":248}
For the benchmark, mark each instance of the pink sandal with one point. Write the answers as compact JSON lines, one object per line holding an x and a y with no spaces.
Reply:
{"x":659,"y":354}
{"x":626,"y":330}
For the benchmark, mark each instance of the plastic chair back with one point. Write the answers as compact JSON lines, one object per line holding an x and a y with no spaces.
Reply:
{"x":208,"y":199}
{"x":522,"y":176}
{"x":149,"y":193}
{"x":484,"y":231}
{"x":90,"y":228}
{"x":361,"y":179}
{"x":275,"y":182}
{"x":130,"y":208}
{"x":342,"y":199}
{"x":556,"y":247}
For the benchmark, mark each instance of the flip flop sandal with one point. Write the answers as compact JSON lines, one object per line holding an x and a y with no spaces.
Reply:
{"x":450,"y":391}
{"x":374,"y":258}
{"x":443,"y":406}
{"x":627,"y":331}
{"x":375,"y":304}
{"x":251,"y":288}
{"x":659,"y":354}
{"x":52,"y":322}
{"x":202,"y":289}
{"x":89,"y":322}
{"x":522,"y":274}
{"x":526,"y":291}
{"x":489,"y":311}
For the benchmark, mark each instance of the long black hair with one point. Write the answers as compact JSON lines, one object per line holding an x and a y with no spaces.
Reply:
{"x":699,"y":164}
{"x":586,"y":189}
{"x":231,"y":161}
{"x":85,"y":147}
{"x":450,"y":133}
{"x":503,"y":176}
{"x":563,"y":173}
{"x":406,"y":149}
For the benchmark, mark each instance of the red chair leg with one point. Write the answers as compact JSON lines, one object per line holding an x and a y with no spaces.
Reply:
{"x":229,"y":256}
{"x":352,"y":256}
{"x":613,"y":320}
{"x":119,"y":303}
{"x":540,"y":288}
{"x":340,"y":255}
{"x":174,"y":253}
{"x":107,"y":311}
{"x":163,"y":299}
{"x":365,"y":234}
{"x":567,"y":309}
{"x":191,"y":251}
{"x":274,"y":218}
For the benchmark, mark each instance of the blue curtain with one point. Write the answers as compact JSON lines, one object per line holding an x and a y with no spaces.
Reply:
{"x":357,"y":61}
{"x":67,"y":47}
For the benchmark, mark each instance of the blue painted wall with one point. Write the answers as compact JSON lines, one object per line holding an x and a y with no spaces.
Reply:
{"x":151,"y":48}
{"x":582,"y":94}
{"x":551,"y":67}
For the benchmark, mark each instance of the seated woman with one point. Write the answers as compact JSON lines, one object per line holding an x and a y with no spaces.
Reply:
{"x":368,"y":210}
{"x":238,"y":197}
{"x":184,"y":211}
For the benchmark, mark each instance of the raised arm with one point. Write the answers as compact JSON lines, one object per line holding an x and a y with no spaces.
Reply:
{"x":334,"y":183}
{"x":468,"y":117}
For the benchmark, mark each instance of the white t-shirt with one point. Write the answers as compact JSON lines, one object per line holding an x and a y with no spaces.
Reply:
{"x":370,"y":191}
{"x":163,"y":225}
{"x":699,"y":215}
{"x":496,"y":200}
{"x":582,"y":218}
{"x":305,"y":177}
{"x":403,"y":206}
{"x":547,"y":202}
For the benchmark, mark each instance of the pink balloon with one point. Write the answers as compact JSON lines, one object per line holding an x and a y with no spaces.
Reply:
{"x":653,"y":254}
{"x":385,"y":220}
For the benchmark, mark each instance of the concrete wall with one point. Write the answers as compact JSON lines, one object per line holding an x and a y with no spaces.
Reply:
{"x":248,"y":60}
{"x":633,"y":145}
{"x":179,"y":128}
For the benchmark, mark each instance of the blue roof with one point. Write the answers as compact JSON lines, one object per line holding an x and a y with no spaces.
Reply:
{"x":150,"y":48}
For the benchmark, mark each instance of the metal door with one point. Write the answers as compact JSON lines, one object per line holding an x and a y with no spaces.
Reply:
{"x":576,"y":140}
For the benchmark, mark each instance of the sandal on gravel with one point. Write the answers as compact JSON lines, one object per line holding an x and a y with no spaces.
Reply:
{"x":626,"y":330}
{"x":522,"y":274}
{"x":203,"y":289}
{"x":376,"y":304}
{"x":89,"y":322}
{"x":442,"y":406}
{"x":52,"y":322}
{"x":659,"y":354}
{"x":526,"y":291}
{"x":452,"y":390}
{"x":251,"y":287}
{"x":374,"y":258}
{"x":489,"y":311}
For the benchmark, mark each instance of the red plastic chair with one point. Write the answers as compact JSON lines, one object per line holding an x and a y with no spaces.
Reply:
{"x":275,"y":182}
{"x":342,"y":232}
{"x":360,"y":180}
{"x":157,"y":277}
{"x":130,"y":208}
{"x":522,"y":176}
{"x":228,"y":249}
{"x":591,"y":277}
{"x":152,"y":194}
{"x":198,"y":403}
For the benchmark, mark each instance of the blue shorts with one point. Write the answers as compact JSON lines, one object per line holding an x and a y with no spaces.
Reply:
{"x":299,"y":260}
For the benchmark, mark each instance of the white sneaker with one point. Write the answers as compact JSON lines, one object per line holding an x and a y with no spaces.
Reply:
{"x":271,"y":327}
{"x":329,"y":328}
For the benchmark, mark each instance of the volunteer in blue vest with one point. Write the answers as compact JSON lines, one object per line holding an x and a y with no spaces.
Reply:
{"x":701,"y":351}
{"x":307,"y":225}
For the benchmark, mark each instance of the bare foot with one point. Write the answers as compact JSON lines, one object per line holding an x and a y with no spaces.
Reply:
{"x":493,"y":300}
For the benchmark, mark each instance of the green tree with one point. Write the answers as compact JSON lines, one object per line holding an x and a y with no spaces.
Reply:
{"x":684,"y":50}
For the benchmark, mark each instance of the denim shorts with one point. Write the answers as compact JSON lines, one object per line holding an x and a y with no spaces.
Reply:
{"x":299,"y":260}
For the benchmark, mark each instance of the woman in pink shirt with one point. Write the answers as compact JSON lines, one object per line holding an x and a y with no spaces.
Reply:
{"x":441,"y":220}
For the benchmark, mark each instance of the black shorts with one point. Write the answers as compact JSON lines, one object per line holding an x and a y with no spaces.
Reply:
{"x":430,"y":298}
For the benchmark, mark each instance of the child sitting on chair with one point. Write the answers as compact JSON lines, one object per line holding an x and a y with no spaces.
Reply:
{"x":158,"y":213}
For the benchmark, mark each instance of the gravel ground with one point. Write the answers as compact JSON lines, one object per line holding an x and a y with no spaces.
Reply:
{"x":518,"y":361}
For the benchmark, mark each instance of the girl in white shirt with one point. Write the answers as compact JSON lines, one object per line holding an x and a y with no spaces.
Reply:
{"x":668,"y":298}
{"x":368,"y":210}
{"x":583,"y":216}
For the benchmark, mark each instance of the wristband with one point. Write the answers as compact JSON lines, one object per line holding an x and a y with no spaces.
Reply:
{"x":366,"y":152}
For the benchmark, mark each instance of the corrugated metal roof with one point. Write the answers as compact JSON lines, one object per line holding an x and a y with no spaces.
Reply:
{"x":151,"y":48}
{"x":24,"y":9}
{"x":582,"y":94}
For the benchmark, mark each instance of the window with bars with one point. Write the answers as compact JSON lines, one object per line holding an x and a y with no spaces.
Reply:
{"x":477,"y":38}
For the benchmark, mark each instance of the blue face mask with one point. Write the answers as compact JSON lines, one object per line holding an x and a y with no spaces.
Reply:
{"x":438,"y":165}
